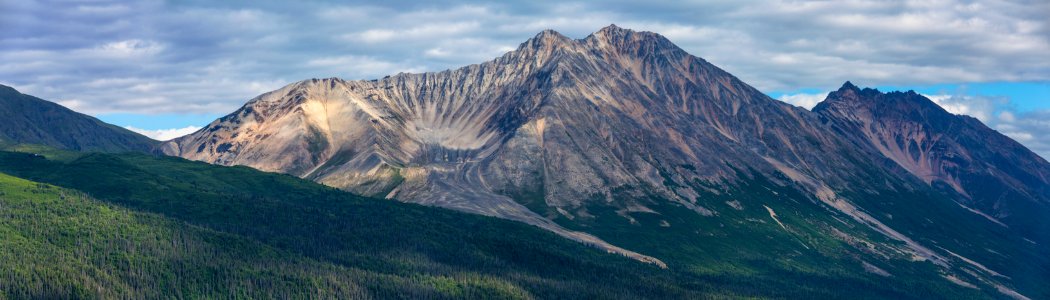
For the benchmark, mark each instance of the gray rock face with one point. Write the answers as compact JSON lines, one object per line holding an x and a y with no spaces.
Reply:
{"x":993,"y":174}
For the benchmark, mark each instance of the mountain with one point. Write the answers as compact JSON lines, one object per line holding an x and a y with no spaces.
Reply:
{"x":32,"y":120}
{"x":625,"y":141}
{"x":993,"y":174}
{"x":568,"y":121}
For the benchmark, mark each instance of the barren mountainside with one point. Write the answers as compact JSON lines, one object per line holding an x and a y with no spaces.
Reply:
{"x":625,"y":141}
{"x":991,"y":173}
{"x":573,"y":119}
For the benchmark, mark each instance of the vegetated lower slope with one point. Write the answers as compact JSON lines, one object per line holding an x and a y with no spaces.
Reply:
{"x":58,"y":243}
{"x":28,"y":119}
{"x":391,"y":249}
{"x":203,"y":228}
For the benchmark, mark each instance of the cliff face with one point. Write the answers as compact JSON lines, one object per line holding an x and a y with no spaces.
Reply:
{"x":31,"y":120}
{"x":993,"y":174}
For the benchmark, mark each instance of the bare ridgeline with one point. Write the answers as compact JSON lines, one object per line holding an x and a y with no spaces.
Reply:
{"x":628,"y":122}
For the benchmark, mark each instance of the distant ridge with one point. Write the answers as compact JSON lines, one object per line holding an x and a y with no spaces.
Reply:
{"x":31,"y":120}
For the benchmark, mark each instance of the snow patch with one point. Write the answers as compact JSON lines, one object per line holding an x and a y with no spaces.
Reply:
{"x":874,"y":269}
{"x":735,"y":205}
{"x":958,"y":281}
{"x":773,"y":214}
{"x":986,"y":216}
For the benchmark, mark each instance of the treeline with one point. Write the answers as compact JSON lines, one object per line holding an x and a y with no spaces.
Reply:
{"x":169,"y":228}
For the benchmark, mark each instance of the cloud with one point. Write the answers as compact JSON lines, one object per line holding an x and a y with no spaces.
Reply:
{"x":165,"y":134}
{"x":1030,"y":128}
{"x":983,"y":108}
{"x":129,"y":48}
{"x":205,"y":57}
{"x":807,"y":101}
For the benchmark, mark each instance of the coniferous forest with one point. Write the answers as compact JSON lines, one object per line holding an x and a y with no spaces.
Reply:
{"x":94,"y":225}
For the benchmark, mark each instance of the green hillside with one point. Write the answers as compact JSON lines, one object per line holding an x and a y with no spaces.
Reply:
{"x":168,"y":226}
{"x":60,"y":243}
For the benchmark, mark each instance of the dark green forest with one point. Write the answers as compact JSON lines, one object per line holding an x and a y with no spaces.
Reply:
{"x":94,"y":225}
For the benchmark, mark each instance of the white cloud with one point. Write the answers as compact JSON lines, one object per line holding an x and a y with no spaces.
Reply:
{"x":807,"y":101}
{"x":1030,"y":128}
{"x":164,"y":134}
{"x":130,"y":48}
{"x":199,"y":57}
{"x":980,"y":107}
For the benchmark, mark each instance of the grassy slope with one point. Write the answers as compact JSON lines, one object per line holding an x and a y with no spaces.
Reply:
{"x":238,"y":215}
{"x":59,"y":243}
{"x":738,"y":253}
{"x":808,"y":254}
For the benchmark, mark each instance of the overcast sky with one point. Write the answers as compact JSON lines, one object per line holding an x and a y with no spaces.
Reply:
{"x":167,"y":67}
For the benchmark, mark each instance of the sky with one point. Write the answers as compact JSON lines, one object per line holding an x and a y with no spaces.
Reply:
{"x":166,"y":68}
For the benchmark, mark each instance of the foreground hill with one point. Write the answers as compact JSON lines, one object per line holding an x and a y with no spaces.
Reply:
{"x":166,"y":226}
{"x":28,"y":119}
{"x":275,"y":235}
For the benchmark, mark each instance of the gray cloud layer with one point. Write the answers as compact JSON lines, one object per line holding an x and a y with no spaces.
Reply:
{"x":1031,"y":128}
{"x":203,"y":57}
{"x":148,"y":57}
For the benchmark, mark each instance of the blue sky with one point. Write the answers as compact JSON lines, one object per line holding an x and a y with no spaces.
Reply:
{"x":167,"y":67}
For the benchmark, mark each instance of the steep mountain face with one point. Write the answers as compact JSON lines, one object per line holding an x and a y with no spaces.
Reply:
{"x":625,"y":141}
{"x":28,"y":119}
{"x":993,"y":174}
{"x":571,"y":119}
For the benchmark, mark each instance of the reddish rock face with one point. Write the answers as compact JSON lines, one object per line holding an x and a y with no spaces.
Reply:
{"x":991,"y":173}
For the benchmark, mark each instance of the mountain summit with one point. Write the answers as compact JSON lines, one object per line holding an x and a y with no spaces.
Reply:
{"x":622,"y":138}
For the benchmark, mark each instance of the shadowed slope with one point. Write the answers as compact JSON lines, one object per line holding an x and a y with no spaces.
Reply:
{"x":28,"y":119}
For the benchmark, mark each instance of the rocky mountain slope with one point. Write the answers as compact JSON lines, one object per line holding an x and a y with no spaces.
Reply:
{"x":622,"y":140}
{"x":28,"y":119}
{"x":993,"y":174}
{"x":573,"y":120}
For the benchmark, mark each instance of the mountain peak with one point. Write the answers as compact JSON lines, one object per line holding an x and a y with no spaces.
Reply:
{"x":546,"y":38}
{"x":848,"y":86}
{"x":613,"y":32}
{"x":612,"y":28}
